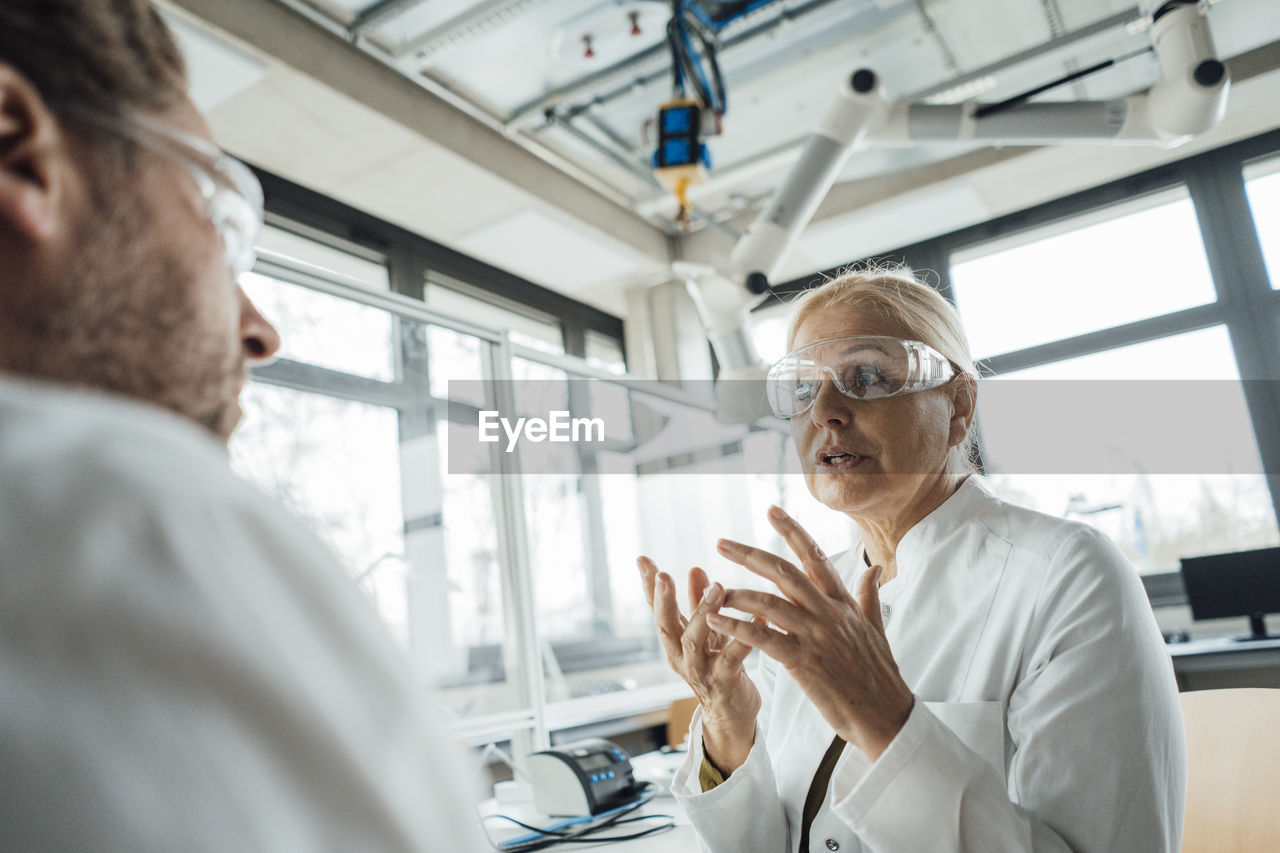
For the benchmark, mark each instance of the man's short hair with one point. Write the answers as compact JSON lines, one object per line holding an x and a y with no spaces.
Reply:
{"x":111,"y":56}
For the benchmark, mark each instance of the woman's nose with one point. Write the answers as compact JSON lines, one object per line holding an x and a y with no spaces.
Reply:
{"x":830,"y":406}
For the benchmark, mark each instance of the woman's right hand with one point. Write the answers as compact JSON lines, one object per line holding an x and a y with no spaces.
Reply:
{"x":708,"y":661}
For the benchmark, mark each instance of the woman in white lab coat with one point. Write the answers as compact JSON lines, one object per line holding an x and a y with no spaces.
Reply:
{"x":973,"y":676}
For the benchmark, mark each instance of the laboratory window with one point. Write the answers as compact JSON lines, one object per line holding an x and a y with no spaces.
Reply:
{"x":525,"y":326}
{"x":324,"y":330}
{"x":1132,"y":480}
{"x":349,"y":430}
{"x":353,"y":264}
{"x":604,"y":352}
{"x":1262,"y":183}
{"x":1117,"y":265}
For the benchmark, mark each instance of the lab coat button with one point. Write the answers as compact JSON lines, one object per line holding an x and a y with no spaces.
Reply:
{"x":886,"y":610}
{"x":832,"y":844}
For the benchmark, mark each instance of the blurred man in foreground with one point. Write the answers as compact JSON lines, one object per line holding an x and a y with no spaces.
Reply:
{"x":182,"y":666}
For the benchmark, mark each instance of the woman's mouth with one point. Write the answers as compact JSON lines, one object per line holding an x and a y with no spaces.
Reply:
{"x":837,"y":461}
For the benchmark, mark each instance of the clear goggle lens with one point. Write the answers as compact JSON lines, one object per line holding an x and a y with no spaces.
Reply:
{"x":232,"y":193}
{"x":235,"y":208}
{"x":861,"y":367}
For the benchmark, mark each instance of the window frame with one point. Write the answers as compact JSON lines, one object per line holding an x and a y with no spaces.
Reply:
{"x":533,"y":723}
{"x":412,"y":259}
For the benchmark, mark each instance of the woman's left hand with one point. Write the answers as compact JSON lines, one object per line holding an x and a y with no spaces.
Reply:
{"x":834,"y":646}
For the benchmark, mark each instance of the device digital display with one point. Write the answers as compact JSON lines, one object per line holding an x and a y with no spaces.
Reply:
{"x":595,"y":761}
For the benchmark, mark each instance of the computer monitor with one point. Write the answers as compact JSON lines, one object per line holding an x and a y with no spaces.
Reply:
{"x":1246,"y":583}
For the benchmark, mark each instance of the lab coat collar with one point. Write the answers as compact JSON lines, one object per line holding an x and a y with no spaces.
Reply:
{"x":929,"y":532}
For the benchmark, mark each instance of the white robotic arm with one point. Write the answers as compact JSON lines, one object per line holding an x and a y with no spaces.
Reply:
{"x":1190,"y":98}
{"x":725,"y":298}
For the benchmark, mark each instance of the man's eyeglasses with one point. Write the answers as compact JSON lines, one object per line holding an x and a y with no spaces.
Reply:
{"x":232,"y":194}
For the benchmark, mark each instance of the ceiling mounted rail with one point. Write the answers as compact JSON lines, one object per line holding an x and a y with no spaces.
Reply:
{"x":652,"y":64}
{"x":460,"y":28}
{"x":1105,"y":26}
{"x":380,"y":13}
{"x":782,"y":155}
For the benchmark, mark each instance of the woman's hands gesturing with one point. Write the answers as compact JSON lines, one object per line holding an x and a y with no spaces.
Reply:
{"x":709,"y":662}
{"x":834,"y":645}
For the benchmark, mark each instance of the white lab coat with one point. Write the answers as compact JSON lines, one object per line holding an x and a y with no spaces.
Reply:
{"x":1046,"y":715}
{"x":183,"y":667}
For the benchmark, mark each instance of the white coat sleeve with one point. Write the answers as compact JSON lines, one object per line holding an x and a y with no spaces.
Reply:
{"x":1097,"y":761}
{"x":183,"y":667}
{"x":743,"y":814}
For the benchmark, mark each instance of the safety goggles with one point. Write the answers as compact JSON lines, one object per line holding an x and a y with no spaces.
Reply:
{"x":864,"y":367}
{"x":231,"y":192}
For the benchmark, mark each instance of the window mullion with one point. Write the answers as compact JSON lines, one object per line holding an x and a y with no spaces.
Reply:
{"x":1240,"y":275}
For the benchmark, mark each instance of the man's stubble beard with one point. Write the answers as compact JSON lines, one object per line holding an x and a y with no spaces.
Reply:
{"x":128,"y":318}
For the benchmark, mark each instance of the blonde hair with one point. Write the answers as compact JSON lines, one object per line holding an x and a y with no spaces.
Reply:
{"x":895,"y":295}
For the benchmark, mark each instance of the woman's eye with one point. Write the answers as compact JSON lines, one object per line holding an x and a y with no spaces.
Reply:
{"x":804,"y":389}
{"x":866,"y":376}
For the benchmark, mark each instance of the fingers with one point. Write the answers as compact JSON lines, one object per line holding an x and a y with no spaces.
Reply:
{"x":775,"y":644}
{"x":735,"y":652}
{"x":667,"y":618}
{"x":793,"y":583}
{"x":869,"y":596}
{"x":808,"y":551}
{"x":698,"y":583}
{"x":768,"y":608}
{"x":696,"y":639}
{"x":648,"y":573}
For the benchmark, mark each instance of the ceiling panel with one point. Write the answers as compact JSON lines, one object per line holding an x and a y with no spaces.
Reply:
{"x":1080,"y":13}
{"x":781,"y":67}
{"x":496,"y":58}
{"x":530,"y":48}
{"x":581,"y":257}
{"x":293,"y":126}
{"x":979,"y":33}
{"x":1241,"y":25}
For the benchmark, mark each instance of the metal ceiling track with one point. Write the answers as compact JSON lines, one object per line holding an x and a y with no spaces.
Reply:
{"x":780,"y":156}
{"x":380,"y":13}
{"x":750,"y":167}
{"x":649,"y":65}
{"x":464,"y":105}
{"x":1120,"y":20}
{"x":469,"y":24}
{"x":565,"y":164}
{"x":624,"y":77}
{"x":652,"y":64}
{"x":589,"y":196}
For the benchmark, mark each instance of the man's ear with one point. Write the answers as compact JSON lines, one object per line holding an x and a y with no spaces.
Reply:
{"x":964,"y":403}
{"x":31,"y":157}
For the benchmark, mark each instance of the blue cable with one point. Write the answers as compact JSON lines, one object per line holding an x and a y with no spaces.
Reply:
{"x":684,"y":52}
{"x":677,"y":71}
{"x":570,"y":821}
{"x":697,"y":65}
